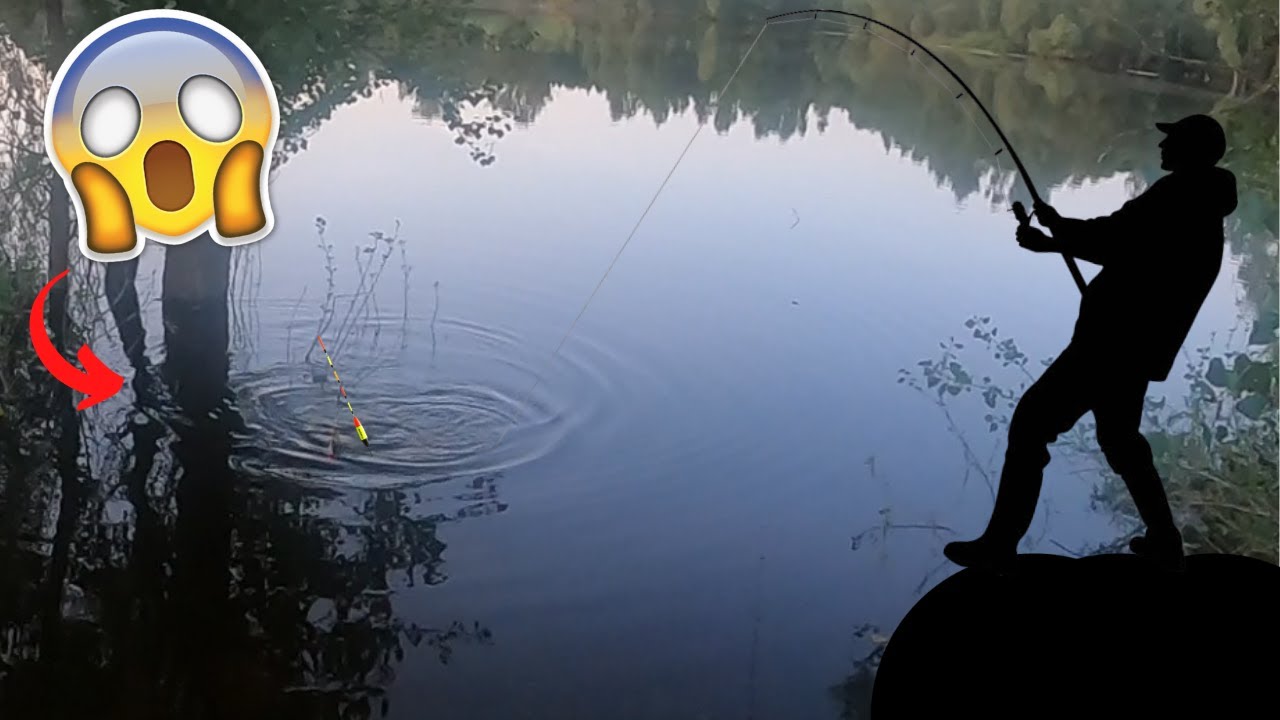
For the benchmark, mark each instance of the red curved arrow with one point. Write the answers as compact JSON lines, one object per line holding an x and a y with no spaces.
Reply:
{"x":97,"y":381}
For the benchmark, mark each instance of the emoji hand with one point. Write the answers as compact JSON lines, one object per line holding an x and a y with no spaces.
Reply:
{"x":1035,"y":240}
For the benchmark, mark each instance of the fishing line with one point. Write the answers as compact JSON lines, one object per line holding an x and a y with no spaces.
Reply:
{"x":715,"y":106}
{"x":645,"y":214}
{"x":813,"y":15}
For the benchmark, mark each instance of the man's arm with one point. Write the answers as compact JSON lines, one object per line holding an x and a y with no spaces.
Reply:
{"x":1097,"y":240}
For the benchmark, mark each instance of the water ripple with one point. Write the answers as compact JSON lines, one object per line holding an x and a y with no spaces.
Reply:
{"x":477,"y":413}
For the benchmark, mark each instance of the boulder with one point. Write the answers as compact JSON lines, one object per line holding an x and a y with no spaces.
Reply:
{"x":1099,"y":636}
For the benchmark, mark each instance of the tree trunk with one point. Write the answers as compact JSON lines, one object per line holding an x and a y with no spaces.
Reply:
{"x":197,"y":345}
{"x":65,"y":417}
{"x":122,"y":300}
{"x":59,"y":201}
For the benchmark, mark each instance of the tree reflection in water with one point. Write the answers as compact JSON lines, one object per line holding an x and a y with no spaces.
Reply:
{"x":171,"y":586}
{"x":145,"y":577}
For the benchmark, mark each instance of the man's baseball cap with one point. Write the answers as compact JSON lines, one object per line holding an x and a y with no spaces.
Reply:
{"x":1202,"y":132}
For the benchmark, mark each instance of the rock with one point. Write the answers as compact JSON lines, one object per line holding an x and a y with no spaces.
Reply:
{"x":1090,"y":637}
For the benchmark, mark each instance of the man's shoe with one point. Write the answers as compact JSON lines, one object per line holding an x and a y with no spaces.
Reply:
{"x":1166,"y":553}
{"x":981,"y":554}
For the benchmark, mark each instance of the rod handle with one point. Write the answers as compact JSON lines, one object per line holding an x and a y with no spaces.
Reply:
{"x":1020,"y":212}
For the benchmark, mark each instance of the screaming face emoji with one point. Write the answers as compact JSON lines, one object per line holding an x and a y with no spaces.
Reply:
{"x":162,"y":122}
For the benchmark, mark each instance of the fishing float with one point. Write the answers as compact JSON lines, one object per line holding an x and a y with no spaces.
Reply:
{"x":364,"y":437}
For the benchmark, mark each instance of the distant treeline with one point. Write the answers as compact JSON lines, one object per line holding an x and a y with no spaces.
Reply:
{"x":1069,"y":123}
{"x":1210,"y":39}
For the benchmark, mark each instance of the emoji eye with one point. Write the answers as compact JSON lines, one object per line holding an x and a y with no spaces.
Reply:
{"x":209,"y":108}
{"x":110,"y":122}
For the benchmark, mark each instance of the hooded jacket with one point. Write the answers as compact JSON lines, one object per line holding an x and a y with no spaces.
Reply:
{"x":1160,"y":254}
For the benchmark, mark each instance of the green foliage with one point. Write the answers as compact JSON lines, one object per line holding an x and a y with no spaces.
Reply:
{"x":325,"y":54}
{"x":1246,"y":35}
{"x":1217,"y":451}
{"x":1236,"y":35}
{"x":1017,"y":17}
{"x":1061,"y":39}
{"x":948,"y":377}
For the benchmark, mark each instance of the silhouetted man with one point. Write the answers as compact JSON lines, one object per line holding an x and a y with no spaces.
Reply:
{"x":1160,"y":254}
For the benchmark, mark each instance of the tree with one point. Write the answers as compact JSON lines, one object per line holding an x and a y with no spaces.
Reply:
{"x":1061,"y":39}
{"x":1247,"y":37}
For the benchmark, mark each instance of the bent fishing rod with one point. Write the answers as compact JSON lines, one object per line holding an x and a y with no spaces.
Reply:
{"x":1019,"y":211}
{"x":1024,"y":219}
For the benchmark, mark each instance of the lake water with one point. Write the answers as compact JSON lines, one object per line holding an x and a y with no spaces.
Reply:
{"x":664,"y":513}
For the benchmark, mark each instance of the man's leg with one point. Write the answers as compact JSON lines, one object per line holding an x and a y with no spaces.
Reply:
{"x":1050,"y":407}
{"x":1119,"y":416}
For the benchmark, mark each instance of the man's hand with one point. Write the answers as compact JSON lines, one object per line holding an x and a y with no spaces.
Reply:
{"x":1046,"y":215}
{"x":1035,"y":240}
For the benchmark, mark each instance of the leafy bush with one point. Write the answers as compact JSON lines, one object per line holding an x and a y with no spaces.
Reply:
{"x":1217,"y":452}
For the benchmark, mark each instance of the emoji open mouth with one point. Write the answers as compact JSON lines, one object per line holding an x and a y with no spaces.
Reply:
{"x":170,"y":180}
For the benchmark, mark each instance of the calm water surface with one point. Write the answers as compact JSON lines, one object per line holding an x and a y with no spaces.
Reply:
{"x":658,"y":520}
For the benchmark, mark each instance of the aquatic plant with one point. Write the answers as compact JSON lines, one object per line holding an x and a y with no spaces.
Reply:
{"x":1216,"y":448}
